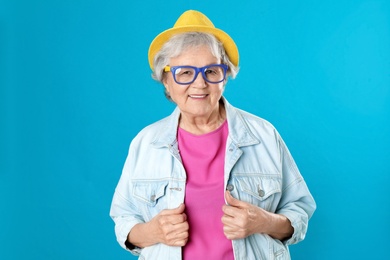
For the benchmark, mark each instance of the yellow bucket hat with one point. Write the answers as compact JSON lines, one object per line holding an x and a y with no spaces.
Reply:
{"x":194,"y":21}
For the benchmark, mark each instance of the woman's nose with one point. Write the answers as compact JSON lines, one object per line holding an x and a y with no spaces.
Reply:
{"x":199,"y":81}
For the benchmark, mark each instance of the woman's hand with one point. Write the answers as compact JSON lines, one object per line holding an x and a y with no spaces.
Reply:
{"x":169,"y":227}
{"x":242,"y":219}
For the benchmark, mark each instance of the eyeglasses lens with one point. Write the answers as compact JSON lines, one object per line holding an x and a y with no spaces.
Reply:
{"x":214,"y":74}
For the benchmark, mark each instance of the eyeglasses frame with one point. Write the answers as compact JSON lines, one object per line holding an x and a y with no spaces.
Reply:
{"x":197,"y":70}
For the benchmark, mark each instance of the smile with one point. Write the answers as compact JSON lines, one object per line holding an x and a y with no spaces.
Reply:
{"x":197,"y":96}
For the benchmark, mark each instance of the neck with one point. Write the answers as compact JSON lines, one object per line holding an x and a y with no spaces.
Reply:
{"x":203,"y":124}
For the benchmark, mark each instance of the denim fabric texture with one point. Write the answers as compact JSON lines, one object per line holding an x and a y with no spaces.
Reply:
{"x":259,"y":169}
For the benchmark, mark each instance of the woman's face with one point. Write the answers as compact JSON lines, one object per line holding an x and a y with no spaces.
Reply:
{"x":200,"y":98}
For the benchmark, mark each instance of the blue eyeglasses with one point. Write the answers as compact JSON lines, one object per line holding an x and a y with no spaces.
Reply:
{"x":184,"y":75}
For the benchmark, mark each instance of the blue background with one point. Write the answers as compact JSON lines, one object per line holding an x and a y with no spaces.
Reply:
{"x":75,"y":88}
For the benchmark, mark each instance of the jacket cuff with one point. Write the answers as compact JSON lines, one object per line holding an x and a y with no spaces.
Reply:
{"x":299,"y":226}
{"x":122,"y":235}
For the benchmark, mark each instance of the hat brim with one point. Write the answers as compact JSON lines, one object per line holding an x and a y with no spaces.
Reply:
{"x":228,"y":43}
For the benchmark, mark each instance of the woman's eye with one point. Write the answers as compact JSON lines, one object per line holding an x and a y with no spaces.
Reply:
{"x":182,"y":72}
{"x":187,"y":72}
{"x":210,"y":71}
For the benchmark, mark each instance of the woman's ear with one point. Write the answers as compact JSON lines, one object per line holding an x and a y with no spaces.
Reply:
{"x":165,"y":84}
{"x":164,"y":81}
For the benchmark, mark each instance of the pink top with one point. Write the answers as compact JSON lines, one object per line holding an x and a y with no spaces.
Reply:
{"x":203,"y":158}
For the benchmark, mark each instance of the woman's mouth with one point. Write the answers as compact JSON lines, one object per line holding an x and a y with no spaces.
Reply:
{"x":198,"y":96}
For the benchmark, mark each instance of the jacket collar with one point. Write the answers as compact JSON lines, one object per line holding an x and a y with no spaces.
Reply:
{"x":239,"y":131}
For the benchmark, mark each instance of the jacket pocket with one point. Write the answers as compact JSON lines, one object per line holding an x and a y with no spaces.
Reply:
{"x":261,"y":190}
{"x":151,"y":197}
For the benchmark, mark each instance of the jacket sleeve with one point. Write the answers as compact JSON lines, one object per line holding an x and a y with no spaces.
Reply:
{"x":123,"y":211}
{"x":296,"y":203}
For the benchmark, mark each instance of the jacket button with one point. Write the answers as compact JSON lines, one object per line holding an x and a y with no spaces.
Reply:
{"x":153,"y":198}
{"x":230,"y":187}
{"x":261,"y":193}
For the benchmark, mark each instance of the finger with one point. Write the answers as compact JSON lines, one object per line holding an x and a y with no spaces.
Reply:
{"x":231,"y":232}
{"x":174,"y":219}
{"x":232,"y":218}
{"x":181,"y":239}
{"x":181,"y":242}
{"x":178,"y":210}
{"x":232,"y":201}
{"x":227,"y":220}
{"x":229,"y":229}
{"x":178,"y":229}
{"x":229,"y":211}
{"x":181,"y":208}
{"x":178,"y":238}
{"x":171,"y":233}
{"x":232,"y":235}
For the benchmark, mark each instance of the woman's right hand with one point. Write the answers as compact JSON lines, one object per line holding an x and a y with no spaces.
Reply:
{"x":169,"y":227}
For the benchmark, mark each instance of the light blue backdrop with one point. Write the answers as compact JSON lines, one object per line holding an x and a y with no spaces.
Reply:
{"x":76,"y":88}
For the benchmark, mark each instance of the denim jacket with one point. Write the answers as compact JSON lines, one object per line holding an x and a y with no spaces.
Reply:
{"x":258,"y":169}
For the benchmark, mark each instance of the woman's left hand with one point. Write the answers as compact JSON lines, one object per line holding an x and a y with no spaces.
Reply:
{"x":242,"y":219}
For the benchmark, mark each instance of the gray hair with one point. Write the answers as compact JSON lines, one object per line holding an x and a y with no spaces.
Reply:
{"x":180,"y":42}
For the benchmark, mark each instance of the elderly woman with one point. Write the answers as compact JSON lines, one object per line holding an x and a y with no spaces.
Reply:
{"x":209,"y":181}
